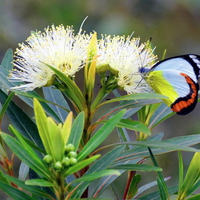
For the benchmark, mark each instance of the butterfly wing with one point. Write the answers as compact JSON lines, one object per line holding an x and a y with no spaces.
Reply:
{"x":181,"y":90}
{"x":188,"y":64}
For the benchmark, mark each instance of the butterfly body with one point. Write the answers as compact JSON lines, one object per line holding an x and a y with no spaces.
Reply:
{"x":176,"y":78}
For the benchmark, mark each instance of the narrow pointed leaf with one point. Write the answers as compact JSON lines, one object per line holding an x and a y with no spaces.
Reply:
{"x":66,"y":130}
{"x":156,"y":195}
{"x":77,"y":131}
{"x":192,"y":175}
{"x":39,"y":182}
{"x":55,"y":96}
{"x":23,"y":171}
{"x":131,"y":104}
{"x":162,"y":113}
{"x":136,"y":97}
{"x":195,"y":197}
{"x":80,"y":165}
{"x":133,"y":188}
{"x":101,"y":164}
{"x":134,"y":125}
{"x":14,"y":192}
{"x":33,"y":189}
{"x":42,"y":124}
{"x":5,"y":105}
{"x":27,"y":155}
{"x":100,"y":135}
{"x":56,"y":142}
{"x":148,"y":186}
{"x":21,"y":121}
{"x":160,"y":179}
{"x":28,"y":96}
{"x":136,"y":167}
{"x":7,"y":60}
{"x":141,"y":152}
{"x":96,"y":175}
{"x":72,"y":89}
{"x":90,"y":68}
{"x":4,"y":179}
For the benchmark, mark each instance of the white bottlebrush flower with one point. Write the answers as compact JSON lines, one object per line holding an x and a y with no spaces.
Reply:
{"x":58,"y":47}
{"x":124,"y":57}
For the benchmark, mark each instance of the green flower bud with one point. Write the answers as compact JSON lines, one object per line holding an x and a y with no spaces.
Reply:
{"x":102,"y":69}
{"x":72,"y":154}
{"x":73,"y":161}
{"x":66,"y":162}
{"x":69,"y":147}
{"x":48,"y":159}
{"x":58,"y":165}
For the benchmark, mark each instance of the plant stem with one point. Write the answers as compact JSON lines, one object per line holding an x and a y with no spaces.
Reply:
{"x":131,"y":174}
{"x":100,"y":96}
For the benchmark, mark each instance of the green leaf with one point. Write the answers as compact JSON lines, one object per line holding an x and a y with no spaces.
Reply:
{"x":14,"y":192}
{"x":56,"y":142}
{"x":6,"y":66}
{"x":80,"y":165}
{"x":134,"y":125}
{"x":40,"y":182}
{"x":7,"y":60}
{"x":33,"y":189}
{"x":100,"y":165}
{"x":100,"y":135}
{"x":21,"y":121}
{"x":195,"y":197}
{"x":133,"y":188}
{"x":66,"y":128}
{"x":5,"y":105}
{"x":90,"y":68}
{"x":148,"y":186}
{"x":3,"y":179}
{"x":162,"y":113}
{"x":72,"y":90}
{"x":23,"y":95}
{"x":164,"y":194}
{"x":30,"y":143}
{"x":96,"y":175}
{"x":192,"y":176}
{"x":27,"y":155}
{"x":23,"y":171}
{"x":156,"y":195}
{"x":50,"y":133}
{"x":131,"y":104}
{"x":162,"y":189}
{"x":194,"y":187}
{"x":164,"y":145}
{"x":31,"y":95}
{"x":77,"y":131}
{"x":136,"y":167}
{"x":136,"y":97}
{"x":55,"y":96}
{"x":180,"y":169}
{"x":42,"y":125}
{"x":175,"y":143}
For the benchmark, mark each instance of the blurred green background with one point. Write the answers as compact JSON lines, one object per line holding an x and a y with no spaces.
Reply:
{"x":173,"y":25}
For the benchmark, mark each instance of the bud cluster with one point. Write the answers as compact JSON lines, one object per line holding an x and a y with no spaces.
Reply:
{"x":69,"y":159}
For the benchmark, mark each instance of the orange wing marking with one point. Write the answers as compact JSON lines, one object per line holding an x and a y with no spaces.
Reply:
{"x":186,"y":102}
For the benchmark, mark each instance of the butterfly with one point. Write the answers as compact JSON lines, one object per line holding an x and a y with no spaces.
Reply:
{"x":176,"y":78}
